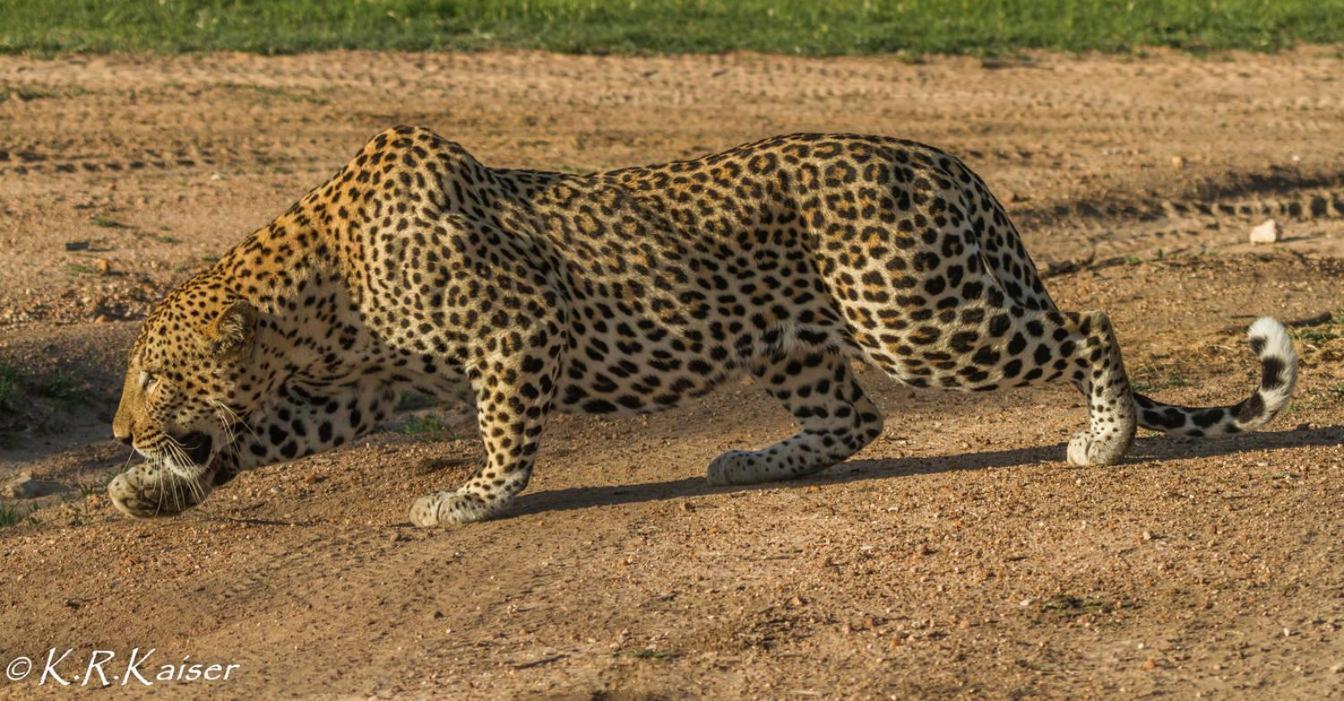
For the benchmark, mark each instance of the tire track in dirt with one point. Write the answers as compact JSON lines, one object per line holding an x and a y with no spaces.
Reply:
{"x":1279,"y":191}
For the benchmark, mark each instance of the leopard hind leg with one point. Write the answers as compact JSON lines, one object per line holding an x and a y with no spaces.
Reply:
{"x":1099,"y":372}
{"x":1004,"y":345}
{"x":835,"y":419}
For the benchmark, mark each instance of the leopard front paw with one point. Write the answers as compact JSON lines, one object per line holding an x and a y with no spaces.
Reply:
{"x":448,"y":509}
{"x":148,"y":490}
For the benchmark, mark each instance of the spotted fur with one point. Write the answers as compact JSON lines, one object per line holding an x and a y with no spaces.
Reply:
{"x":417,"y":267}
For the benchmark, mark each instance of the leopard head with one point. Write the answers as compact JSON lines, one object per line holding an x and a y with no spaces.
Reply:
{"x":192,"y":372}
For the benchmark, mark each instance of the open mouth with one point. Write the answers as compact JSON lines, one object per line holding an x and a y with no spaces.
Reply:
{"x":197,"y":446}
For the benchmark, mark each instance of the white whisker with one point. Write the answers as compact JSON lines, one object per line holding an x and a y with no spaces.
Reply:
{"x":232,"y":416}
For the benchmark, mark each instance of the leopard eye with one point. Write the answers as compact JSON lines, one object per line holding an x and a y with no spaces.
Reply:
{"x":147,"y":381}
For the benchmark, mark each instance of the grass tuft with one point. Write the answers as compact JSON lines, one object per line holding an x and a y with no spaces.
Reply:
{"x":10,"y":516}
{"x":1154,"y":379}
{"x":23,"y":93}
{"x":36,"y":401}
{"x":427,"y":426}
{"x":1323,"y":334}
{"x":109,"y":223}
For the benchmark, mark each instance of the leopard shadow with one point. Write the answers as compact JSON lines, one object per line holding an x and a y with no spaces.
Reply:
{"x":1147,"y":449}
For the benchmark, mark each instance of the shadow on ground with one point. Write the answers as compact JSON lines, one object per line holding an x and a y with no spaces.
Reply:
{"x":1152,"y":448}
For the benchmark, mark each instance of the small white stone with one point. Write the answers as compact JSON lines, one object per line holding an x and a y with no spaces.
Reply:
{"x":1266,"y":232}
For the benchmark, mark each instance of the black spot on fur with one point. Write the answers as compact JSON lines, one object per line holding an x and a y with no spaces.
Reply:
{"x":1250,"y":409}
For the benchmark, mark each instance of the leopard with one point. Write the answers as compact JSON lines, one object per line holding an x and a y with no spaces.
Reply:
{"x":794,"y":260}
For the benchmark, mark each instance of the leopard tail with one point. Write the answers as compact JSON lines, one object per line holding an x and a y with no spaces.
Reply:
{"x":1278,"y":376}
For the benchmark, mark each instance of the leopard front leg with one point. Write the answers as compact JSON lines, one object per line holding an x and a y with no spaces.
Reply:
{"x":835,"y":416}
{"x":1100,"y":374}
{"x":513,"y":398}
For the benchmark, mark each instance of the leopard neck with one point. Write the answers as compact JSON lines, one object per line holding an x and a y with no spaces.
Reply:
{"x":288,"y":270}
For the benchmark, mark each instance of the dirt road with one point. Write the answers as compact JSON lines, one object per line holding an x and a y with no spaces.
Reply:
{"x":958,"y":556}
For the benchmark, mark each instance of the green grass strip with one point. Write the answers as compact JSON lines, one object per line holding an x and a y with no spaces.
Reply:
{"x":813,"y":27}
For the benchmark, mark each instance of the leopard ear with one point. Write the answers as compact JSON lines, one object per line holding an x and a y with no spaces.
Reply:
{"x":231,"y":334}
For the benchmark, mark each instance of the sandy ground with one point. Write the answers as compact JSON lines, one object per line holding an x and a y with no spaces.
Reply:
{"x":958,"y":556}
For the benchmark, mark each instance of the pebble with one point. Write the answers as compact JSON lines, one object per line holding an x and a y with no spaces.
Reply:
{"x":1266,"y":232}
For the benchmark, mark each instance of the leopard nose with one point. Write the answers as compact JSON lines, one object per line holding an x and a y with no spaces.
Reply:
{"x":126,"y":439}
